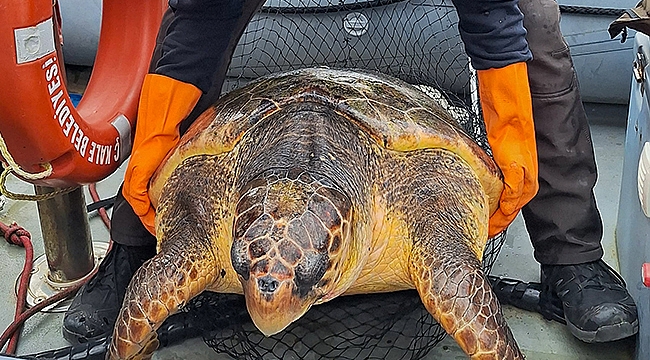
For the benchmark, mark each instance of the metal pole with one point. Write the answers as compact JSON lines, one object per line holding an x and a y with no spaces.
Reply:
{"x":66,"y":235}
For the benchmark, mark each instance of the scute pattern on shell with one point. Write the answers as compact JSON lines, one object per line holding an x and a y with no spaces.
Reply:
{"x":395,"y":114}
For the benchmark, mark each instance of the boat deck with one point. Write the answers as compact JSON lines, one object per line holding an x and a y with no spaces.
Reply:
{"x":538,"y":338}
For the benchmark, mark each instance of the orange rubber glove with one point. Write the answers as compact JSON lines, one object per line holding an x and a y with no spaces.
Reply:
{"x":164,"y":103}
{"x":508,"y":114}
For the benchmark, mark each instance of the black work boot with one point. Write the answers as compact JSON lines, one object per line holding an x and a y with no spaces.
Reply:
{"x":94,"y":309}
{"x":591,"y":299}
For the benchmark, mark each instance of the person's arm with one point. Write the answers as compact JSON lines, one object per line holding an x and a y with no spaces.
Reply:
{"x":192,"y":51}
{"x":495,"y":41}
{"x":197,"y":39}
{"x":493,"y":32}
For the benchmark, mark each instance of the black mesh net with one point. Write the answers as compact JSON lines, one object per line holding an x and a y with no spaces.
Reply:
{"x":416,"y":41}
{"x":373,"y":326}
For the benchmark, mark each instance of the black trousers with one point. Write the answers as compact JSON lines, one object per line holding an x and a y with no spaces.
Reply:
{"x":563,"y":221}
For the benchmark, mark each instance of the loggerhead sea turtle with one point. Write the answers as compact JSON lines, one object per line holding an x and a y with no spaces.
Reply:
{"x":310,"y":184}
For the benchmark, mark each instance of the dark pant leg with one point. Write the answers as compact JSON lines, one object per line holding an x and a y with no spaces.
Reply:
{"x":126,"y":227}
{"x":562,"y":220}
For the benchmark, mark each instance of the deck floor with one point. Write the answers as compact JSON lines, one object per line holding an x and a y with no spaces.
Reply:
{"x":538,"y":338}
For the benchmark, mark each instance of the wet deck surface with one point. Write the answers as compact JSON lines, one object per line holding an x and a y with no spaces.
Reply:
{"x":538,"y":338}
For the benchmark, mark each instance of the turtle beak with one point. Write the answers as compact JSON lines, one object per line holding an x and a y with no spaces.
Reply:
{"x":273,"y":305}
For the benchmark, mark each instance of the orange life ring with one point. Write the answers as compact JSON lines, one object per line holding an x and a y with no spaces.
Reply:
{"x":40,"y":127}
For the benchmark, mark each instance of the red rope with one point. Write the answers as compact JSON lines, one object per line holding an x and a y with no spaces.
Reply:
{"x":92,"y":188}
{"x":17,"y":235}
{"x":15,"y":326}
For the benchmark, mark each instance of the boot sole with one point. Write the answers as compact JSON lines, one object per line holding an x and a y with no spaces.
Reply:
{"x":605,"y":333}
{"x":74,"y":338}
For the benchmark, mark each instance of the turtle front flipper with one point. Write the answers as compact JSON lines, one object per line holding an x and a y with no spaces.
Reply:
{"x":458,"y":296}
{"x":158,"y":289}
{"x":191,"y":226}
{"x":446,"y":212}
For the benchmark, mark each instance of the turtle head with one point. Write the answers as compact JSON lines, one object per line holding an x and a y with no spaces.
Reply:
{"x":289,"y":241}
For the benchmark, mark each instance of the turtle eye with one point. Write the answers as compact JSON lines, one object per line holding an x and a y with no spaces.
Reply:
{"x":321,"y":284}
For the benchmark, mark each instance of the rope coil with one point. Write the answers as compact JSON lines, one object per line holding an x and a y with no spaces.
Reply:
{"x":12,"y":167}
{"x":16,"y":168}
{"x":28,"y":197}
{"x":13,"y":233}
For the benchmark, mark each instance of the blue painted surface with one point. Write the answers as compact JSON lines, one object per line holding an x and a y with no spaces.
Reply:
{"x":632,"y":226}
{"x":75,"y":99}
